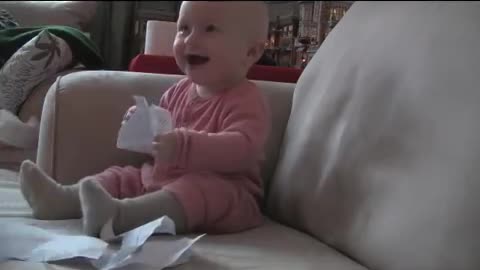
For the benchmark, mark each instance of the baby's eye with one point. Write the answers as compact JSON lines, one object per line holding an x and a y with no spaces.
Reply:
{"x":211,"y":28}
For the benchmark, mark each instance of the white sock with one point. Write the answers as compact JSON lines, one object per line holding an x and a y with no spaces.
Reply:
{"x":98,"y":207}
{"x":47,"y":198}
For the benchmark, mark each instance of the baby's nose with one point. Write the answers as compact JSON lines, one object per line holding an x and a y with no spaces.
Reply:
{"x":191,"y":39}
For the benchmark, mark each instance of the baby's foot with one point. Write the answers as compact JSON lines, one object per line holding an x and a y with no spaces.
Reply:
{"x":97,"y":207}
{"x":47,"y":198}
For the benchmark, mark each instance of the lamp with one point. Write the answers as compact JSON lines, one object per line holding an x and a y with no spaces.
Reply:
{"x":159,"y":37}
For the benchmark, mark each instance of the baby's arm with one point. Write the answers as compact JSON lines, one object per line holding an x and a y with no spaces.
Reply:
{"x":238,"y":146}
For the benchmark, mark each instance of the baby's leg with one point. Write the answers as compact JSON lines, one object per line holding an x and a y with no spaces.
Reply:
{"x":51,"y":200}
{"x":216,"y":205}
{"x":47,"y":198}
{"x":98,"y":207}
{"x":99,"y":202}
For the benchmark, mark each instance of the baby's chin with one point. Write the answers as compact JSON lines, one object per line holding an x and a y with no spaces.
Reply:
{"x":211,"y":80}
{"x":201,"y":77}
{"x":209,"y":74}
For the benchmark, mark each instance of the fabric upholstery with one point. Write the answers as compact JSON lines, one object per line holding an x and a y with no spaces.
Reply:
{"x":77,"y":14}
{"x":32,"y":107}
{"x":381,"y":150}
{"x":38,"y":59}
{"x":7,"y":20}
{"x":66,"y":113}
{"x":12,"y":204}
{"x":259,"y":248}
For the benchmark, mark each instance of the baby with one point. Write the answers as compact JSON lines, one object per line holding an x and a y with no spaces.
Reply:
{"x":205,"y":174}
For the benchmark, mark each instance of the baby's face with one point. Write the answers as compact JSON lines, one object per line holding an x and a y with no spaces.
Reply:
{"x":210,"y":46}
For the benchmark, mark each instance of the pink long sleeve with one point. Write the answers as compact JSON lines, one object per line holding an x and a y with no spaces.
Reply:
{"x":225,"y":133}
{"x":236,"y":147}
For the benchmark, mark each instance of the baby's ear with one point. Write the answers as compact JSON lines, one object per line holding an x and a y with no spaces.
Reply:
{"x":255,"y":52}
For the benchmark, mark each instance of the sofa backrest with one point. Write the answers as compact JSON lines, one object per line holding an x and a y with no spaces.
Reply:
{"x":76,"y":14}
{"x":382,"y":147}
{"x":278,"y":96}
{"x":66,"y":145}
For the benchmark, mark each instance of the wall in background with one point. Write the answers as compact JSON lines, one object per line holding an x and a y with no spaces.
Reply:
{"x":119,"y":27}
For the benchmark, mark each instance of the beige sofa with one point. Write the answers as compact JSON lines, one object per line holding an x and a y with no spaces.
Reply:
{"x":372,"y":162}
{"x":76,"y":14}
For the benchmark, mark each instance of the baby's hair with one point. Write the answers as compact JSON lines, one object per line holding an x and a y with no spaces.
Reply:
{"x":255,"y":20}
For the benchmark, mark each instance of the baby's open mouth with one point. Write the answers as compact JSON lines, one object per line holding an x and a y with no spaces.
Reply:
{"x":194,"y":59}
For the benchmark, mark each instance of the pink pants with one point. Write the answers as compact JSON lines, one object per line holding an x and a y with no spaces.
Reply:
{"x":211,"y":204}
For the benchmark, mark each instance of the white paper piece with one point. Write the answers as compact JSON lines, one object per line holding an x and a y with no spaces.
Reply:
{"x":174,"y":252}
{"x":145,"y":123}
{"x":131,"y":241}
{"x":30,"y":243}
{"x":139,"y":235}
{"x":16,"y":133}
{"x":71,"y":247}
{"x":27,"y":242}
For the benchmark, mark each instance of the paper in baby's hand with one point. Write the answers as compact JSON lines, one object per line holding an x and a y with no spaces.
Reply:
{"x":145,"y":123}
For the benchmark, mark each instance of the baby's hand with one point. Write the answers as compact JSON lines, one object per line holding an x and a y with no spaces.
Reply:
{"x":129,"y":113}
{"x":165,"y":146}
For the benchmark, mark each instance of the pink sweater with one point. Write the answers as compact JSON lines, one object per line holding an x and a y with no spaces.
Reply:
{"x":224,"y":134}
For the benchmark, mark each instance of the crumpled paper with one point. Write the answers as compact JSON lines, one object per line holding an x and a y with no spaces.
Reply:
{"x":138,"y":132}
{"x":44,"y":242}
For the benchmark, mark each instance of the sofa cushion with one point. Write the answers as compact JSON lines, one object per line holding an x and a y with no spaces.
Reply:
{"x":12,"y":157}
{"x":73,"y":91}
{"x":270,"y":247}
{"x":12,"y":203}
{"x":76,"y":14}
{"x":32,"y":107}
{"x":381,"y":152}
{"x":38,"y":59}
{"x":6,"y":19}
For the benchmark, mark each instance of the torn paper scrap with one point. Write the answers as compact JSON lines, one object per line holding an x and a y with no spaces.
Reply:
{"x":174,"y":252}
{"x":139,"y":235}
{"x":132,"y":241}
{"x":164,"y":251}
{"x":18,"y":240}
{"x":67,"y":247}
{"x":30,"y":243}
{"x":46,"y":242}
{"x":145,"y":123}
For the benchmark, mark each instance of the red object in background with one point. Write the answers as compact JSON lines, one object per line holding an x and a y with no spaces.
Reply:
{"x":154,"y":64}
{"x":167,"y":65}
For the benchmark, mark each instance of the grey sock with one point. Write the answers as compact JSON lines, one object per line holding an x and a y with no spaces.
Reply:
{"x":47,"y":198}
{"x":98,"y":207}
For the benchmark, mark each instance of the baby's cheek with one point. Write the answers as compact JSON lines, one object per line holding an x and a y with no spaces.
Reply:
{"x":179,"y":55}
{"x":178,"y":48}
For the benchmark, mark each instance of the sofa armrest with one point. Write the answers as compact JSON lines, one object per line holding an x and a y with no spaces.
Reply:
{"x":81,"y":117}
{"x":32,"y":107}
